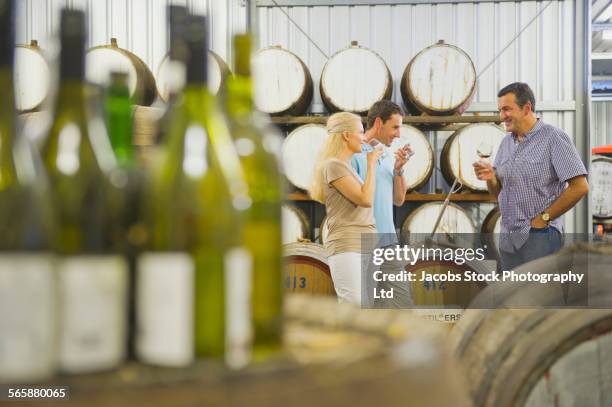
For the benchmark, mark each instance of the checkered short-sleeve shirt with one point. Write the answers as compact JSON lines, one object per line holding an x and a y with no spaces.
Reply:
{"x":533,"y":173}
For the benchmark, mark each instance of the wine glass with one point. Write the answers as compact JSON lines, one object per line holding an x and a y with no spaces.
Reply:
{"x":380,"y":146}
{"x":484,"y":150}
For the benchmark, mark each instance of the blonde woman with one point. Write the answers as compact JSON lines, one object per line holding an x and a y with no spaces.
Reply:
{"x":348,"y":201}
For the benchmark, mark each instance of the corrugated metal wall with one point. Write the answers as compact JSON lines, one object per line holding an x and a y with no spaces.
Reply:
{"x":602,"y":123}
{"x":543,"y":56}
{"x":139,"y":25}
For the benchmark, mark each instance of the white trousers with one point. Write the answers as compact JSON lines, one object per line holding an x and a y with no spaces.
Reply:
{"x":345,"y":270}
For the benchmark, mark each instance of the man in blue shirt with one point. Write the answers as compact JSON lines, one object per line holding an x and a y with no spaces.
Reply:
{"x":383,"y":126}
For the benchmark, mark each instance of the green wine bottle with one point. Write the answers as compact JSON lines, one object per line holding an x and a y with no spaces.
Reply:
{"x":200,"y":197}
{"x":92,"y":273}
{"x":129,"y":180}
{"x":118,"y":112}
{"x":258,"y":145}
{"x":27,"y":282}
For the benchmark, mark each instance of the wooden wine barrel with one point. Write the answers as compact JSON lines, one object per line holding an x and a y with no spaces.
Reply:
{"x":460,"y":152}
{"x":490,"y":229}
{"x":32,"y":77}
{"x":218,"y":71}
{"x":306,"y":269}
{"x":439,"y":80}
{"x":296,"y":226}
{"x":104,"y":59}
{"x":419,"y":167}
{"x":538,"y":356}
{"x":455,"y":222}
{"x":282,"y":82}
{"x":423,"y":219}
{"x":601,"y":185}
{"x":491,"y":223}
{"x":300,"y":153}
{"x":354,"y":78}
{"x":334,"y":355}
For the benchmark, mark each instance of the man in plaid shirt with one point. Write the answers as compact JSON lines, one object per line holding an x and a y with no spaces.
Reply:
{"x":537,"y":176}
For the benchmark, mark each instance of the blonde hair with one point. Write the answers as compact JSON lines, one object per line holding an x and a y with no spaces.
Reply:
{"x":337,"y":124}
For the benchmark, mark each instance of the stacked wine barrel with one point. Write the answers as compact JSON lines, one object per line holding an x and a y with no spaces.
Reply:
{"x":439,"y":80}
{"x":461,"y":150}
{"x":32,"y":77}
{"x":490,"y":230}
{"x":218,"y":71}
{"x":353,"y":79}
{"x":283,"y":85}
{"x":300,"y":152}
{"x":104,"y":59}
{"x":420,"y":166}
{"x":306,"y":269}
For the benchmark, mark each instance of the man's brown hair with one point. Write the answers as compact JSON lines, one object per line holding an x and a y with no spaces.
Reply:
{"x":522,"y":92}
{"x":383,"y":109}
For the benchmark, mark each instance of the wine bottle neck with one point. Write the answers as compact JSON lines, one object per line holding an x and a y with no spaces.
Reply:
{"x":7,"y":101}
{"x":118,"y":110}
{"x":71,"y":95}
{"x":193,"y":102}
{"x":197,"y":71}
{"x":195,"y":40}
{"x":7,"y":128}
{"x":7,"y":33}
{"x":7,"y":97}
{"x":240,"y":96}
{"x":197,"y":94}
{"x":7,"y":115}
{"x":7,"y":58}
{"x":72,"y":57}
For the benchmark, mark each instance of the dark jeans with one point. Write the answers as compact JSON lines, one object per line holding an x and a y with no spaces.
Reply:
{"x":541,"y":242}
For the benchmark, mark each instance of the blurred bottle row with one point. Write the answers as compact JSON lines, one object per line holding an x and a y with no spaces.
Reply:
{"x":103,"y":259}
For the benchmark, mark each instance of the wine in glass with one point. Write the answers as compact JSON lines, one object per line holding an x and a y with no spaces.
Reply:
{"x":484,"y":150}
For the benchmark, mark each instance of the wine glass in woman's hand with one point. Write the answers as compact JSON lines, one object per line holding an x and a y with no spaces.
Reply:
{"x":375,"y":154}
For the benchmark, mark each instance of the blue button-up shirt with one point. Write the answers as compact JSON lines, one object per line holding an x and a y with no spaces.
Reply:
{"x":383,"y":193}
{"x":533,"y":173}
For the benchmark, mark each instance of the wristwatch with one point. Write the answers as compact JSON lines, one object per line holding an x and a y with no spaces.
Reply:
{"x":398,"y":173}
{"x":545,"y":217}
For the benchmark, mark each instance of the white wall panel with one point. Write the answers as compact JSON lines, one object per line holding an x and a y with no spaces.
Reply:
{"x":542,"y":56}
{"x":139,"y":25}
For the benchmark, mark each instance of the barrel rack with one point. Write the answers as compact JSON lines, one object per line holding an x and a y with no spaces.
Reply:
{"x":423,"y":122}
{"x":426,"y":123}
{"x":416,"y":197}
